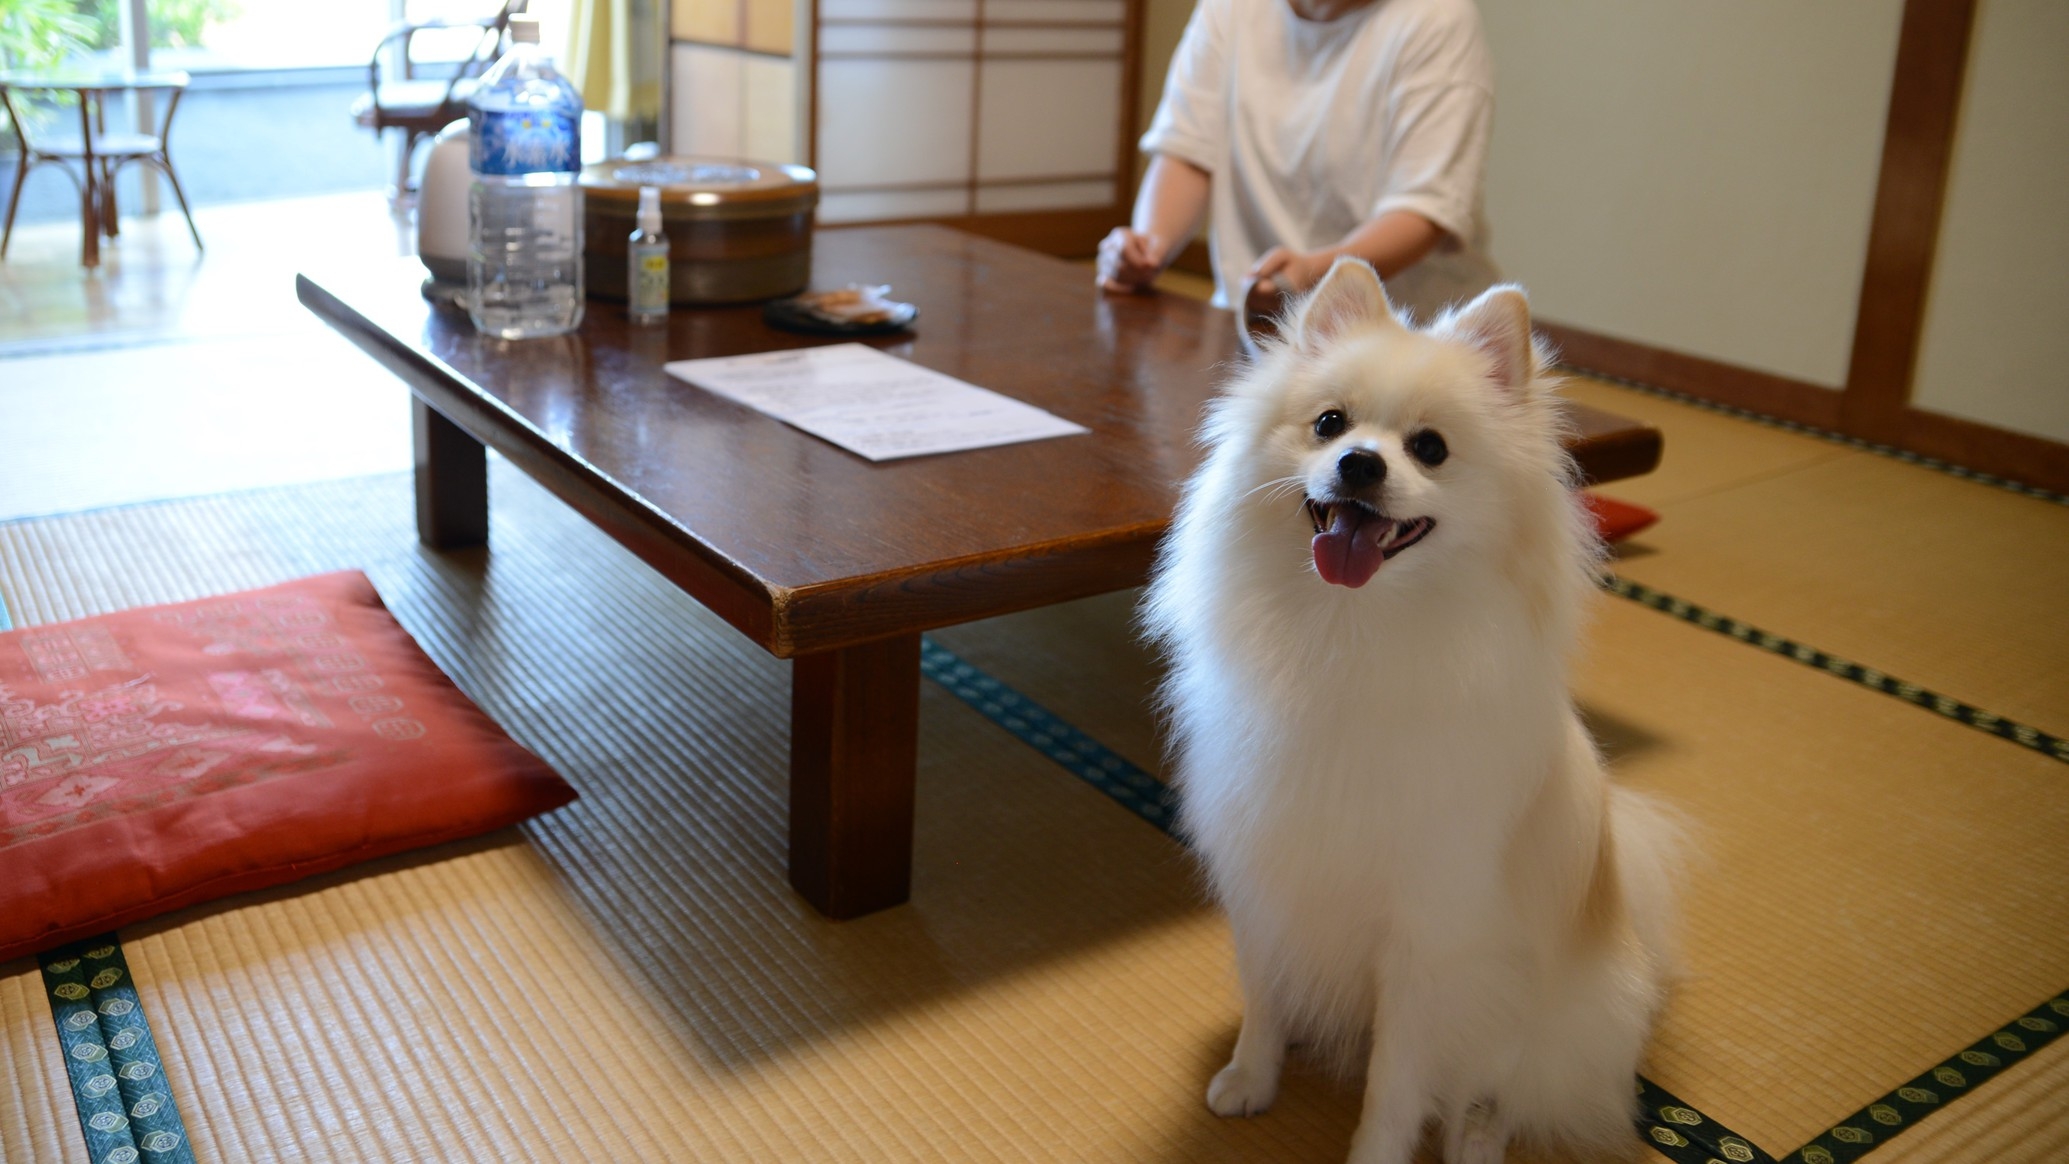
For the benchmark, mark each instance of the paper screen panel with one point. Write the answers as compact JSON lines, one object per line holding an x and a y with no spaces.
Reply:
{"x":709,"y":21}
{"x":771,"y":27}
{"x":1048,"y":119}
{"x":768,"y":112}
{"x":707,"y":101}
{"x":884,"y":205}
{"x":893,"y":123}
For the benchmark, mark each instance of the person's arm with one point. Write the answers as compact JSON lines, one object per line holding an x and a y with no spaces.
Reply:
{"x":1392,"y":242}
{"x":1168,"y":211}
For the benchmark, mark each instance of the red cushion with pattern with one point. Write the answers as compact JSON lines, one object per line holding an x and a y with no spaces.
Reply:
{"x":1616,"y":520}
{"x":165,"y":756}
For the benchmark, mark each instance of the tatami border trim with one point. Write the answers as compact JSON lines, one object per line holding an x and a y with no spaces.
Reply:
{"x":1858,"y":1134}
{"x":2054,"y":747}
{"x":125,"y":1105}
{"x":1687,"y":1136}
{"x":1039,"y":728}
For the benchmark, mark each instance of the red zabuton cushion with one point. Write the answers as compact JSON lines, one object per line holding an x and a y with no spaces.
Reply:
{"x":1616,"y":520}
{"x":165,"y":756}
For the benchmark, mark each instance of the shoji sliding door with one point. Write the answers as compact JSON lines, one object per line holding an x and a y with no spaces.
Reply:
{"x":734,"y":80}
{"x":1010,"y":117}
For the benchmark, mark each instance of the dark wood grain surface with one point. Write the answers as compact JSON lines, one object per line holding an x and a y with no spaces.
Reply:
{"x":806,"y":547}
{"x":1903,"y":237}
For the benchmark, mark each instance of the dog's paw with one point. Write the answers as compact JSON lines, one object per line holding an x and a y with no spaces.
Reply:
{"x":1479,"y":1146}
{"x":1475,"y":1136}
{"x":1235,"y":1091}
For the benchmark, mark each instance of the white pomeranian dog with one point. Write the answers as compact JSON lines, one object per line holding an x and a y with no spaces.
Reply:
{"x":1368,"y":600}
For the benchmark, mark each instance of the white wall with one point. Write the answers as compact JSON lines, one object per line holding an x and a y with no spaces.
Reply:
{"x":1996,"y":342}
{"x":1693,"y":176}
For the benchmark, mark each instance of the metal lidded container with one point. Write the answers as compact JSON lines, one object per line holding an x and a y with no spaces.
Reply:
{"x":738,"y":231}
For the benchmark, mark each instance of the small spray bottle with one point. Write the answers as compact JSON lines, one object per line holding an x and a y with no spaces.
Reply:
{"x":646,"y":252}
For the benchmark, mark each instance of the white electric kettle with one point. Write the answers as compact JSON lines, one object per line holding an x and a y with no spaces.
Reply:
{"x":442,"y":206}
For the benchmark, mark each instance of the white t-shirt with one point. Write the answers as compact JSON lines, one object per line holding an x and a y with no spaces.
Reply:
{"x":1311,"y":128}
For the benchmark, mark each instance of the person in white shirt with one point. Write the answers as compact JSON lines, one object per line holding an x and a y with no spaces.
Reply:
{"x":1308,"y":129}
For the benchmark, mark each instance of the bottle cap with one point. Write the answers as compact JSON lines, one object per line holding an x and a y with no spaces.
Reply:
{"x":524,"y":29}
{"x":650,"y":209}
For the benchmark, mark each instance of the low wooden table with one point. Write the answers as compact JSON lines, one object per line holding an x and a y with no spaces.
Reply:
{"x":814,"y":553}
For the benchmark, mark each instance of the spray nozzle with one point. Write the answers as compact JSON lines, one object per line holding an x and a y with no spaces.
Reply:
{"x":650,"y":209}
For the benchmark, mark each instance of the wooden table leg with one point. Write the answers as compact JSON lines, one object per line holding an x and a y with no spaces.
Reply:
{"x":89,"y":191}
{"x":854,"y":742}
{"x":452,"y":482}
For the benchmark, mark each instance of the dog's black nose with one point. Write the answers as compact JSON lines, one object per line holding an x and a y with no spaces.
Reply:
{"x":1361,"y":469}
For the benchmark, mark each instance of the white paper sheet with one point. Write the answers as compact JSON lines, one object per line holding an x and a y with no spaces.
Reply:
{"x":872,"y":404}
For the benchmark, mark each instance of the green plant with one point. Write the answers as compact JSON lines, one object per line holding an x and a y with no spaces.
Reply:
{"x":180,"y":23}
{"x":174,"y":23}
{"x":35,"y":34}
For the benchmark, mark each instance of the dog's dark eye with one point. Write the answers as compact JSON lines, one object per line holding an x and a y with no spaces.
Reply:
{"x":1428,"y":447}
{"x":1330,"y":424}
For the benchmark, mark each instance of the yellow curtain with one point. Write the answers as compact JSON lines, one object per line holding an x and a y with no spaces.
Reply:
{"x":590,"y":59}
{"x":601,"y":60}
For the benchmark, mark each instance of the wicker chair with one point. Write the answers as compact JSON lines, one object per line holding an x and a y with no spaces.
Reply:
{"x":99,"y":154}
{"x":420,"y":106}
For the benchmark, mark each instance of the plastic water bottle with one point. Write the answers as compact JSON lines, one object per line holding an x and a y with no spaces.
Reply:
{"x":524,"y":259}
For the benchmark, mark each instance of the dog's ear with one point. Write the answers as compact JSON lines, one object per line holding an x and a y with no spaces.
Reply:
{"x":1498,"y":324}
{"x":1349,"y":297}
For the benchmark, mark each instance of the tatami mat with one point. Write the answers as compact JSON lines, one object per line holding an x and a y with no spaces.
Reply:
{"x":1849,"y":924}
{"x":1877,"y":887}
{"x":2016,"y":1118}
{"x":630,"y":977}
{"x":1951,"y":584}
{"x":1798,"y":733}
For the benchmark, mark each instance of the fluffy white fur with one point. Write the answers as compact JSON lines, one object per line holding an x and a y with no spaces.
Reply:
{"x":1396,"y":803}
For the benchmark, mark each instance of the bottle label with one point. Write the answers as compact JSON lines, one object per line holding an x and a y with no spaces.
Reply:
{"x":649,"y":278}
{"x":526,"y":141}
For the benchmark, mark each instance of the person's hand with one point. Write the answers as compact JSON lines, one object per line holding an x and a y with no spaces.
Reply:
{"x":1128,"y":260}
{"x":1280,"y":273}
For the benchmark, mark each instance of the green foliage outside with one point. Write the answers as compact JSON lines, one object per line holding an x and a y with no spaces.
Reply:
{"x":36,"y":34}
{"x":39,"y":33}
{"x":180,"y":23}
{"x":174,"y":23}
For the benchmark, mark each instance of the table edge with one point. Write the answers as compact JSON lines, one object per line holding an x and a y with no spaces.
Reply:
{"x":786,"y":621}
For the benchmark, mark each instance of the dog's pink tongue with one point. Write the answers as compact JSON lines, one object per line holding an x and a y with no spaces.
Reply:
{"x":1348,"y":553}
